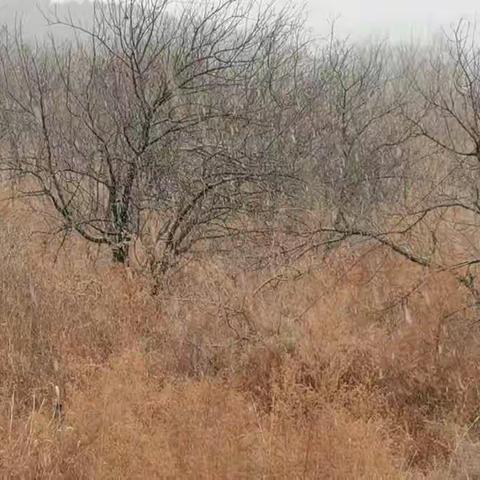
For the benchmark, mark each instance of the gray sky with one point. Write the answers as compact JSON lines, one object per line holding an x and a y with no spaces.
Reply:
{"x":400,"y":19}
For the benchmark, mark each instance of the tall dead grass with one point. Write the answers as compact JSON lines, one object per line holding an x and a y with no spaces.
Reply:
{"x":361,"y":367}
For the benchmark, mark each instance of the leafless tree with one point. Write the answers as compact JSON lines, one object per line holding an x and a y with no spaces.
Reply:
{"x":438,"y":119}
{"x":445,"y":114}
{"x":358,"y":165}
{"x":358,"y":160}
{"x":161,"y":124}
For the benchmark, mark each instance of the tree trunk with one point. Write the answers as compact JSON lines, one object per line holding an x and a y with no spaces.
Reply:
{"x":120,"y":254}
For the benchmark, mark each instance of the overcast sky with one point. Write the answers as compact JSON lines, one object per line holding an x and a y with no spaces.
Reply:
{"x":398,"y":19}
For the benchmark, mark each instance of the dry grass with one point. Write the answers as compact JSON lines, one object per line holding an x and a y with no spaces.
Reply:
{"x":233,"y":375}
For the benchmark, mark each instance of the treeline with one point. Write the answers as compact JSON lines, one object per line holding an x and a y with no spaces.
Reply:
{"x":163,"y":130}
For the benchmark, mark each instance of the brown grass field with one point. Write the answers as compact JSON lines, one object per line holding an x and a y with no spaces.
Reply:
{"x":364,"y":368}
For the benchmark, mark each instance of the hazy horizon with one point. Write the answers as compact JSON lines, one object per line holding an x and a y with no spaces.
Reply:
{"x":400,"y":21}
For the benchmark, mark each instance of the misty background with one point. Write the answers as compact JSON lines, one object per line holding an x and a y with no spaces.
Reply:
{"x":406,"y":20}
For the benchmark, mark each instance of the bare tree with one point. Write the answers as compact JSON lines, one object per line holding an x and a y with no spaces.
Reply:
{"x":437,"y":118}
{"x":358,"y":161}
{"x":162,"y":123}
{"x":445,"y":113}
